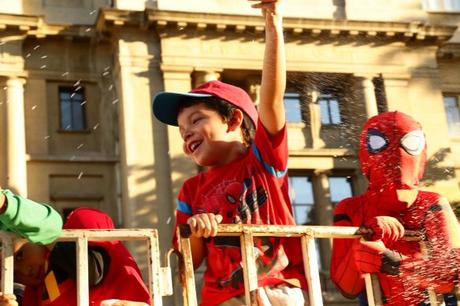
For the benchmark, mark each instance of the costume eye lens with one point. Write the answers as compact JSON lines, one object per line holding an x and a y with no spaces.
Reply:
{"x":413,"y":142}
{"x":376,"y":141}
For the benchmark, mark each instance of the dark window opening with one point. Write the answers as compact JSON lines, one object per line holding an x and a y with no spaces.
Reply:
{"x":292,"y":106}
{"x":452,"y":107}
{"x":330,"y":109}
{"x":72,"y":108}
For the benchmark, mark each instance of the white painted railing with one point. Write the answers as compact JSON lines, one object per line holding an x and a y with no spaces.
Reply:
{"x":307,"y":234}
{"x":158,"y":285}
{"x":160,"y":278}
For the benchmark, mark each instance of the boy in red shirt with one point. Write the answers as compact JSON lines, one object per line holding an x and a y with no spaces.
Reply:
{"x":245,"y":181}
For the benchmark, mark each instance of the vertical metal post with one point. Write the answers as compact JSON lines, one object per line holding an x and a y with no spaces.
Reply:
{"x":249,"y":268}
{"x":82,"y":272}
{"x":311,"y":270}
{"x":374,"y":295}
{"x":189,"y":277}
{"x":154,"y":268}
{"x":7,"y":264}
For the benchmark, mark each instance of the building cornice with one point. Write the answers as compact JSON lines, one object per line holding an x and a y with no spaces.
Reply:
{"x":299,"y":26}
{"x":28,"y":25}
{"x":295,"y":28}
{"x":22,"y":23}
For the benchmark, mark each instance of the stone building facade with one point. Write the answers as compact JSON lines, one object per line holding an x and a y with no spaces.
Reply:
{"x":78,"y":78}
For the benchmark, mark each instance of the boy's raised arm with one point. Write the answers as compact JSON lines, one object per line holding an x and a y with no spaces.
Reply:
{"x":271,"y":108}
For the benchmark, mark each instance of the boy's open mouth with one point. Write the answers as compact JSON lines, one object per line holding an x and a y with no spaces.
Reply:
{"x":193,"y":146}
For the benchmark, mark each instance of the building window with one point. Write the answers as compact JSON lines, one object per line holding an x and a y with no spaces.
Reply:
{"x":292,"y":107}
{"x":301,"y":195}
{"x":441,"y":5}
{"x":330,"y":109}
{"x":340,"y":188}
{"x":451,"y":104}
{"x":72,"y":108}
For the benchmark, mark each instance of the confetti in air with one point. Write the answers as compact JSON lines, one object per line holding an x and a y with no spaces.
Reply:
{"x":34,"y":107}
{"x":80,"y":175}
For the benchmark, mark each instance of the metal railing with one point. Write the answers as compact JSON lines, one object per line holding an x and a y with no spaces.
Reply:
{"x":307,"y":234}
{"x":160,"y":278}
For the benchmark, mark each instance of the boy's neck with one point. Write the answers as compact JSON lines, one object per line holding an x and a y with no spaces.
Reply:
{"x":236,"y":152}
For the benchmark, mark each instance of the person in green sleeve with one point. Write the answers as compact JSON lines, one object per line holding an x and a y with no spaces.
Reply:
{"x":37,"y":223}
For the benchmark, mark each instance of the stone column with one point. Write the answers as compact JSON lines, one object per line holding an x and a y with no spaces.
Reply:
{"x":253,"y":85}
{"x":323,"y":213}
{"x":370,"y":100}
{"x":16,"y":165}
{"x":315,"y":120}
{"x":202,"y":77}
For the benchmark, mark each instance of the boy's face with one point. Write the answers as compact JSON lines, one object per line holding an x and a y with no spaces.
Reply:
{"x":208,"y":139}
{"x":30,"y":264}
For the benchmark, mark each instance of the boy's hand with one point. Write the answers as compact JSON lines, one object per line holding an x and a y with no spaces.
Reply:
{"x":204,"y":225}
{"x":271,"y":10}
{"x":8,"y":300}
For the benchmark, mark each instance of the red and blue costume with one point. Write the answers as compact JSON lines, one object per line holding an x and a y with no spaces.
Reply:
{"x":393,"y":155}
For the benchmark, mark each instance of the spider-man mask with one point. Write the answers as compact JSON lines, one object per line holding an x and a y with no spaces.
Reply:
{"x":392,"y":152}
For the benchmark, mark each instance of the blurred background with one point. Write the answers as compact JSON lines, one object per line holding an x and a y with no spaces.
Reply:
{"x":77,"y":78}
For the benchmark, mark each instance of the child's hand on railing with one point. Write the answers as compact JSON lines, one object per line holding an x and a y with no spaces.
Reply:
{"x":8,"y":300}
{"x":204,"y":225}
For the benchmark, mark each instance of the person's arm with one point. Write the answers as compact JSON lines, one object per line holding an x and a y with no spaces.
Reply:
{"x":271,"y":107}
{"x":344,"y":273}
{"x":202,"y":226}
{"x":39,"y":223}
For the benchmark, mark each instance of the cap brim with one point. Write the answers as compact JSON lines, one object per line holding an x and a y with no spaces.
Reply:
{"x":166,"y":105}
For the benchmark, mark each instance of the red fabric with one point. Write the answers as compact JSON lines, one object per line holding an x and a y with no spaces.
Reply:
{"x":393,"y":168}
{"x":122,"y":281}
{"x":368,"y":255}
{"x":389,"y":170}
{"x":250,"y":190}
{"x":232,"y":94}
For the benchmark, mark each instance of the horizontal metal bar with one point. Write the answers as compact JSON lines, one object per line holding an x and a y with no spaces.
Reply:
{"x":291,"y":231}
{"x":107,"y":235}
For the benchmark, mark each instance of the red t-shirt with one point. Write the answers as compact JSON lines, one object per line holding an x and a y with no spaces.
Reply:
{"x":251,"y":190}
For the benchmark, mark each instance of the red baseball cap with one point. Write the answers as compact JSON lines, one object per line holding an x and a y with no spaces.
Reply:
{"x":166,"y":104}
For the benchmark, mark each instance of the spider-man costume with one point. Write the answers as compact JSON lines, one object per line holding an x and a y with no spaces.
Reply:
{"x":393,"y":155}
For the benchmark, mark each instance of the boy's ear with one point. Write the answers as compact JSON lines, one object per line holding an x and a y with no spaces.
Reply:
{"x":236,"y":121}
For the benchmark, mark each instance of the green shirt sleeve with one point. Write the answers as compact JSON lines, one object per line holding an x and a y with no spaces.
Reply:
{"x":39,"y":223}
